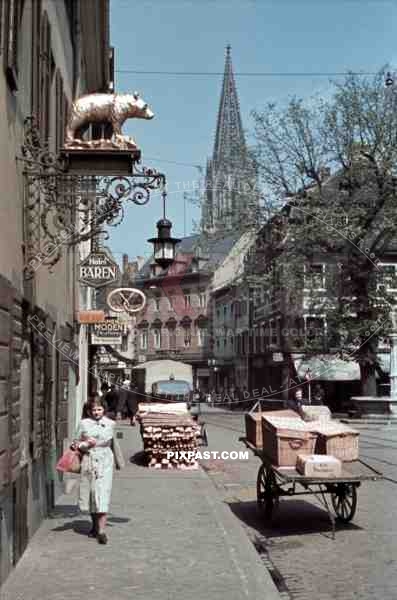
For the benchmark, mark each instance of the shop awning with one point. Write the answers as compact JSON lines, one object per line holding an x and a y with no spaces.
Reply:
{"x":328,"y":368}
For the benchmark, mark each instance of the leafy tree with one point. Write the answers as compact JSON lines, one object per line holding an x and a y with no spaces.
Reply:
{"x":327,"y":169}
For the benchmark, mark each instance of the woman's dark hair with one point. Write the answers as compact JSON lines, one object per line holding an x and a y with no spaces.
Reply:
{"x":92,"y":401}
{"x":96,"y":401}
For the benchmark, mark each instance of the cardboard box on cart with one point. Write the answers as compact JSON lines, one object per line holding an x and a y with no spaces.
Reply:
{"x":318,"y":465}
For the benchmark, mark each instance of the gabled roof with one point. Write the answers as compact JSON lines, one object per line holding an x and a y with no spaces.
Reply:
{"x":232,"y":267}
{"x":212,"y":250}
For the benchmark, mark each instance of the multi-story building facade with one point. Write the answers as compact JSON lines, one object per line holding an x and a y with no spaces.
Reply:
{"x":295,"y":338}
{"x":51,"y":52}
{"x":231,"y":319}
{"x":176,"y":321}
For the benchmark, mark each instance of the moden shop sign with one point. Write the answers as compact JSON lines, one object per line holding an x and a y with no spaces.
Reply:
{"x":98,"y":269}
{"x":109,"y":332}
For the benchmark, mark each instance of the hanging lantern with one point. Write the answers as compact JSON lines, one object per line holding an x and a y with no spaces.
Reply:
{"x":164,"y":244}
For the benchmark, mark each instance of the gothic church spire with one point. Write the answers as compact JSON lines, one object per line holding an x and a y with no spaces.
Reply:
{"x":228,"y":206}
{"x":229,"y":137}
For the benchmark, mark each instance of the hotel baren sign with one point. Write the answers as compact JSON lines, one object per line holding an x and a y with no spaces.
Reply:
{"x":98,"y":270}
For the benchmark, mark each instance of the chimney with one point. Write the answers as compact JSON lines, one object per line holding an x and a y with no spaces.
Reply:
{"x":141,"y":261}
{"x":125,"y":263}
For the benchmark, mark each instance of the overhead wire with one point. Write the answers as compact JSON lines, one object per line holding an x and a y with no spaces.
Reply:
{"x":248,"y":73}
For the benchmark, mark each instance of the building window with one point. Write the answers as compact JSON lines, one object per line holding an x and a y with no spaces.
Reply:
{"x":172,"y":338}
{"x":201,"y":335}
{"x":187,"y":337}
{"x":157,"y":303}
{"x":218,"y":313}
{"x":202,"y":299}
{"x":225,"y":311}
{"x":124,"y":343}
{"x":143,"y":339}
{"x":387,"y":277}
{"x":157,"y":339}
{"x":278,"y":331}
{"x":188,"y":299}
{"x":273,"y":337}
{"x":314,"y":277}
{"x":314,"y":330}
{"x":171,"y":326}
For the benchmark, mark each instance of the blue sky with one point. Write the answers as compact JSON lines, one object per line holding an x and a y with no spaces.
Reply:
{"x":275,"y":36}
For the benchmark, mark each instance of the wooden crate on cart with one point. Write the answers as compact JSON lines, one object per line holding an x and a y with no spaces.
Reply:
{"x":286,"y":437}
{"x":315,"y":413}
{"x":336,"y":439}
{"x":253,"y":424}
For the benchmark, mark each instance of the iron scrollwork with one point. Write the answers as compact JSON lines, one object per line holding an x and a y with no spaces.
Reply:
{"x":63,"y":208}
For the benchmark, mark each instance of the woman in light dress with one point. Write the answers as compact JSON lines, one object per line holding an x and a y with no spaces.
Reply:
{"x":95,"y":440}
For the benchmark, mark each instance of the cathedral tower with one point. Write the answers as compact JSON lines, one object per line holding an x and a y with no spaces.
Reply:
{"x":231,"y":197}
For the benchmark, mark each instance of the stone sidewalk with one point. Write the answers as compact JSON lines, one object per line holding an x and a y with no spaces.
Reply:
{"x":170,"y":537}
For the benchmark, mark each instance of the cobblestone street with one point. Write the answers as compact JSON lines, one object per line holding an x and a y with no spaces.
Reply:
{"x":304,"y":560}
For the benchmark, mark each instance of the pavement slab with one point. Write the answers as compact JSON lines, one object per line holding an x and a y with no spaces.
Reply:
{"x":171,"y":536}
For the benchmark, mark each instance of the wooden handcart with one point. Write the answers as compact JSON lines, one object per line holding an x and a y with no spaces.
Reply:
{"x":338,"y":495}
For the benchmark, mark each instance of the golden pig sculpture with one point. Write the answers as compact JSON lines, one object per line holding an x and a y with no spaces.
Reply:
{"x":111,"y":109}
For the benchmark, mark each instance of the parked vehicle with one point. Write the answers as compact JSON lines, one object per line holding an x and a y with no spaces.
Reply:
{"x":167,"y":380}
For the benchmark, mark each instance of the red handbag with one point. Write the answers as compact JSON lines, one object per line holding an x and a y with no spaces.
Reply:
{"x":70,"y":462}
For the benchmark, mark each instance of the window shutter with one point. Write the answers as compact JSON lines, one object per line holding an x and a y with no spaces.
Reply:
{"x":11,"y":22}
{"x":60,"y":110}
{"x":2,"y":8}
{"x":45,"y":75}
{"x":36,"y":59}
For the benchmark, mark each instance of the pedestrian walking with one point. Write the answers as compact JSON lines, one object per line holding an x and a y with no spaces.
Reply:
{"x":296,"y":402}
{"x":112,"y":402}
{"x":318,"y":395}
{"x":129,"y":401}
{"x":236,"y":397}
{"x":95,"y":441}
{"x":104,"y":389}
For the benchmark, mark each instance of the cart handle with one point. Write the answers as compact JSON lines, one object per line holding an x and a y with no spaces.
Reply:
{"x":296,"y":444}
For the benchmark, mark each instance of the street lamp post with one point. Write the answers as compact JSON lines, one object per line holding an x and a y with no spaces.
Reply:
{"x":393,"y":359}
{"x":212,"y":364}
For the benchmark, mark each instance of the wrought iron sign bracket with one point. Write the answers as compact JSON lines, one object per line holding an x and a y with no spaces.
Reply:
{"x":70,"y":197}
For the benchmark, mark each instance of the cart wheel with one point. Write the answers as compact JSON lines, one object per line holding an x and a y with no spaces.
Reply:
{"x":344,"y":501}
{"x":266,"y":491}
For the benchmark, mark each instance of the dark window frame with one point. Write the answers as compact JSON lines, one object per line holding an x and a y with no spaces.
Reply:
{"x":11,"y":12}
